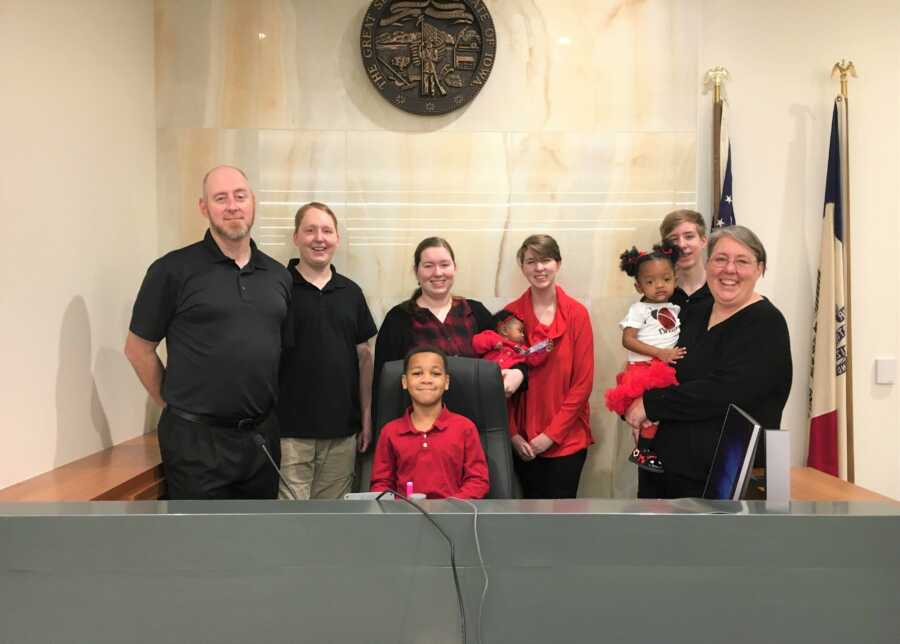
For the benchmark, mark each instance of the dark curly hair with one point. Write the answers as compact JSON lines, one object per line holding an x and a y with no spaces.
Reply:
{"x":424,"y":348}
{"x":630,"y":261}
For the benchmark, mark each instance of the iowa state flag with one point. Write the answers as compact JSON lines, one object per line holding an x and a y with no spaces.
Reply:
{"x":828,"y":386}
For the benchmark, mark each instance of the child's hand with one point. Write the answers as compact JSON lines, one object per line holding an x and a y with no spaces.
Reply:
{"x":498,"y":346}
{"x":670,"y":356}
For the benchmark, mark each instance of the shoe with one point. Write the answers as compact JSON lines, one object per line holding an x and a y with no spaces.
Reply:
{"x":647,"y":461}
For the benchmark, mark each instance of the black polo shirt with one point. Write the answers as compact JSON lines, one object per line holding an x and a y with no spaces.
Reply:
{"x":320,"y":372}
{"x":685,"y":301}
{"x":222,"y":324}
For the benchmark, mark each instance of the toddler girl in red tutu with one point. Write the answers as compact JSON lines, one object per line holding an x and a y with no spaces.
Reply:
{"x":650,"y":333}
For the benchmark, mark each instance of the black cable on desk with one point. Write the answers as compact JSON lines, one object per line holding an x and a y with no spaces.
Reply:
{"x":459,"y":597}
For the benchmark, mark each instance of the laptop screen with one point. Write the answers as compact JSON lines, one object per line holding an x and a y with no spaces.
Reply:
{"x":733,"y":459}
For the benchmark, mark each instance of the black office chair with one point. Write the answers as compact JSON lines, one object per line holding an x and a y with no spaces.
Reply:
{"x":476,"y":392}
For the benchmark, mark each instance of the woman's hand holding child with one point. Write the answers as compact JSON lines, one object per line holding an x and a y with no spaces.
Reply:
{"x":670,"y":356}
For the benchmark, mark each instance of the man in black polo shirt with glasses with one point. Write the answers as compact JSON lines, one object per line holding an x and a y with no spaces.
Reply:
{"x":221,"y":305}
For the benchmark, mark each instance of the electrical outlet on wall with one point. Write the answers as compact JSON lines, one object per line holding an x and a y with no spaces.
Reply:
{"x":885,"y":371}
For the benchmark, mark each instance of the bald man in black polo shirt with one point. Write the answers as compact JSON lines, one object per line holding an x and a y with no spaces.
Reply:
{"x":221,"y":305}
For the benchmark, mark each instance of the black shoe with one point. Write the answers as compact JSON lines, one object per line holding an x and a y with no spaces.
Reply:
{"x":647,"y":460}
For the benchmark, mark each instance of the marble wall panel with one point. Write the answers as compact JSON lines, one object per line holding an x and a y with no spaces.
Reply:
{"x":561,"y":65}
{"x":485,"y":192}
{"x":586,"y":131}
{"x":412,"y":186}
{"x":183,"y":158}
{"x":299,"y":167}
{"x":592,"y":65}
{"x":597,"y":194}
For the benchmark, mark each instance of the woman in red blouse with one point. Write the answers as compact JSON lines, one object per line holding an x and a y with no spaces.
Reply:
{"x":553,"y":430}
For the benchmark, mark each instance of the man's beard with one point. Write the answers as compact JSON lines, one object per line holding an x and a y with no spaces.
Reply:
{"x":233,"y":234}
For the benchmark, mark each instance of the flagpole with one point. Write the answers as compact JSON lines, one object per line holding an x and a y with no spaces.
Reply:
{"x":715,"y":76}
{"x":846,"y":69}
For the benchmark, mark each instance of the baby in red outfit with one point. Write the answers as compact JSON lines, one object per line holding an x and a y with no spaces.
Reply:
{"x":507,"y":345}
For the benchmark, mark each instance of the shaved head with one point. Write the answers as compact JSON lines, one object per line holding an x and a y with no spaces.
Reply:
{"x":219,"y":167}
{"x":228,"y":203}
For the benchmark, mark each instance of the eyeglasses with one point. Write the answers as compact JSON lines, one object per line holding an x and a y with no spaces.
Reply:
{"x":741,"y":263}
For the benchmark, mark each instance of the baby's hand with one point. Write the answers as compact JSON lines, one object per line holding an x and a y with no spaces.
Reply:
{"x":498,"y":346}
{"x":672,"y":355}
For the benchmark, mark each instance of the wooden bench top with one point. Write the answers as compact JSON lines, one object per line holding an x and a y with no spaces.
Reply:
{"x":808,"y":484}
{"x":126,"y":472}
{"x":132,"y":471}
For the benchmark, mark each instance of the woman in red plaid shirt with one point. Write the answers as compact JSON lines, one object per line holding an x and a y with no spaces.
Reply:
{"x":433,"y":316}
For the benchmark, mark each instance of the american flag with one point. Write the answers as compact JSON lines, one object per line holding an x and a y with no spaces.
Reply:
{"x":725,"y":214}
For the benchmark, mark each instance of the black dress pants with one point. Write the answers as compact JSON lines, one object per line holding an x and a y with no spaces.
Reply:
{"x":550,"y":478}
{"x":205,"y":462}
{"x":668,"y":485}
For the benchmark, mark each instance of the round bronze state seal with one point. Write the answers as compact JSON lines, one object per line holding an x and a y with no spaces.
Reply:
{"x":428,"y":56}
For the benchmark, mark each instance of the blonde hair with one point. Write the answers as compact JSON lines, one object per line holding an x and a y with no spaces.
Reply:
{"x":298,"y":218}
{"x":677,"y":217}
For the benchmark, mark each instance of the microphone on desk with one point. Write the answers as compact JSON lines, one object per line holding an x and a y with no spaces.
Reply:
{"x":259,"y":440}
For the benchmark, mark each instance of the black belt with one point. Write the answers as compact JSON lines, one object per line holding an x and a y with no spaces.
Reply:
{"x":216,"y":421}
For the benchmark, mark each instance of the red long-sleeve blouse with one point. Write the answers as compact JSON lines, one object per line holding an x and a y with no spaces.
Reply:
{"x":556,"y":402}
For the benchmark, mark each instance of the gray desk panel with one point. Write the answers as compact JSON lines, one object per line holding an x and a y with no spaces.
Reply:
{"x":570,"y":571}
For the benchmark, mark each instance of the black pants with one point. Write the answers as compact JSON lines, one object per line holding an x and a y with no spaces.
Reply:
{"x":204,"y":462}
{"x":667,"y":485}
{"x":550,"y":478}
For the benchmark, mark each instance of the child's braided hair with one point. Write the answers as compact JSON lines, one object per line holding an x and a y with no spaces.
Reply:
{"x":630,"y":261}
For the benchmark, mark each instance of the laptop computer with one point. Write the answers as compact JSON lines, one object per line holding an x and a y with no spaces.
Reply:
{"x":732,"y":462}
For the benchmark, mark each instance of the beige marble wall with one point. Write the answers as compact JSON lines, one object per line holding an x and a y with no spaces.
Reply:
{"x":586,"y":130}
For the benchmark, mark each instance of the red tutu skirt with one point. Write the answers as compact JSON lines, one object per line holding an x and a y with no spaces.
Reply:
{"x":637,"y":378}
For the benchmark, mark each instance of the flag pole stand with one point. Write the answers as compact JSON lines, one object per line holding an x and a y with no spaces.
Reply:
{"x":846,"y":69}
{"x":715,"y":78}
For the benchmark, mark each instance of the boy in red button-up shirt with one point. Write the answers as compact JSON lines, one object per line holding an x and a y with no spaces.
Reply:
{"x":437,"y":450}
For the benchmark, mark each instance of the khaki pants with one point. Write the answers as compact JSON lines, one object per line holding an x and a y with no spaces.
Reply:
{"x":317,"y":468}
